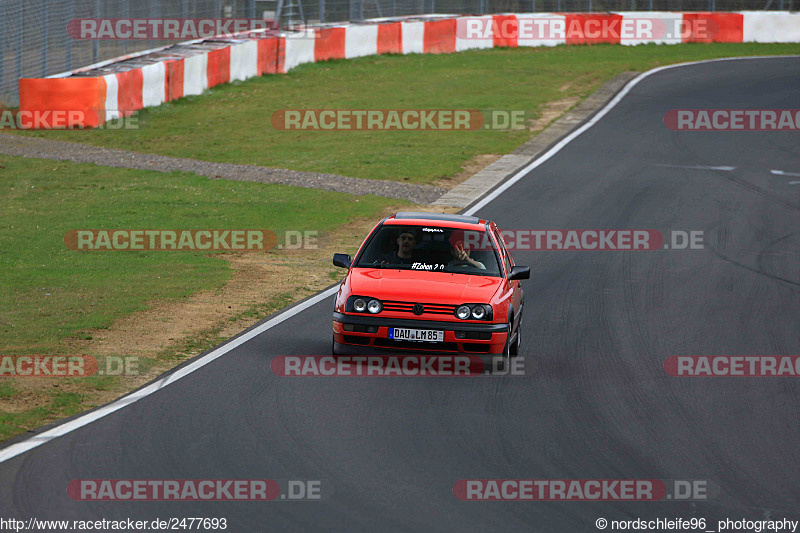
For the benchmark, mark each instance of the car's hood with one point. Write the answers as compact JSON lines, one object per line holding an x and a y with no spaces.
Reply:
{"x":422,"y":286}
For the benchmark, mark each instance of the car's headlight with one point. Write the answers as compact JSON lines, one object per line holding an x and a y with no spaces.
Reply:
{"x":474,"y":311}
{"x":360,"y":305}
{"x":463,"y":312}
{"x":478,"y":312}
{"x":364,"y":304}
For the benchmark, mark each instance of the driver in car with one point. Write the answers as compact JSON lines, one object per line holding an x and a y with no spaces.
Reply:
{"x":403,"y":254}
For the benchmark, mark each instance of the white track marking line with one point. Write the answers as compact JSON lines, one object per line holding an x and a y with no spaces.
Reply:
{"x":782,"y":173}
{"x":697,"y":167}
{"x":595,"y":119}
{"x":72,"y":425}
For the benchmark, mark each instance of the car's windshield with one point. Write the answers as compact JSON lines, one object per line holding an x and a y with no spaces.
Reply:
{"x":430,"y":248}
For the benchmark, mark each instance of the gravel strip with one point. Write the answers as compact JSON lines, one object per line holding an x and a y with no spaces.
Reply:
{"x":82,"y":153}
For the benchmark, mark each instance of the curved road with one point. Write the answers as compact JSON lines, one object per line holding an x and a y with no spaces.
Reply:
{"x":595,"y":402}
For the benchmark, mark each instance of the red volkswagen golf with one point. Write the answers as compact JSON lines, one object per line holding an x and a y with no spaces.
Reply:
{"x":432,"y":282}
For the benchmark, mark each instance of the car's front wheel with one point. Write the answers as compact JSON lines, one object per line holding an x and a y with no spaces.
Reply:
{"x":515,"y":346}
{"x":505,"y":361}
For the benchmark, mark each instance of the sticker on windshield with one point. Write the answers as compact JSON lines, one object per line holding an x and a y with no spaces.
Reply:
{"x":425,"y":266}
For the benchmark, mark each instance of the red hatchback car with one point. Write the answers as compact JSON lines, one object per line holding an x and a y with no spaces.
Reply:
{"x":431,"y":282}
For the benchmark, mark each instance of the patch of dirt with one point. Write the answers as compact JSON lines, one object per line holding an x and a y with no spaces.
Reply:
{"x":552,"y":111}
{"x":469,"y":169}
{"x":578,"y":81}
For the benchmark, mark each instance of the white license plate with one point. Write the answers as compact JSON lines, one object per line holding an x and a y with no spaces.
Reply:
{"x":416,"y":335}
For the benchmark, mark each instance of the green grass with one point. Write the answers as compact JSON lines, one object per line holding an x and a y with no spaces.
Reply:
{"x":48,"y":292}
{"x":59,"y":405}
{"x":7,"y":389}
{"x":231,"y":123}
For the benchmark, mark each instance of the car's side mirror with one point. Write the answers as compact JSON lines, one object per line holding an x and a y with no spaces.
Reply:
{"x":520,"y":272}
{"x":342,"y":260}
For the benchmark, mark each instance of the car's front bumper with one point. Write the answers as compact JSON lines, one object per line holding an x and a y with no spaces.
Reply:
{"x":364,"y":333}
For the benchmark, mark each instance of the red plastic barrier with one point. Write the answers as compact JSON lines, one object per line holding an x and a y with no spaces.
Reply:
{"x":506,"y":30}
{"x":270,"y":55}
{"x":219,"y":66}
{"x":593,"y":28}
{"x":329,"y":44}
{"x":65,"y":94}
{"x":714,"y":27}
{"x":174,"y":79}
{"x":390,"y":38}
{"x":440,"y":37}
{"x":129,"y":95}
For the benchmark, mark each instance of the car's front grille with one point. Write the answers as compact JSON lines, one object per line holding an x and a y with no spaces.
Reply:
{"x":408,"y":307}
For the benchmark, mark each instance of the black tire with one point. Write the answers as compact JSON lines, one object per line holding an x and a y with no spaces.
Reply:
{"x":505,"y":364}
{"x":514,"y":348}
{"x":334,"y":351}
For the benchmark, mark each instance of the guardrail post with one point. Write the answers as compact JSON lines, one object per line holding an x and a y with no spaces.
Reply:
{"x":2,"y":48}
{"x":68,"y":40}
{"x":20,"y":30}
{"x":45,"y":31}
{"x":95,"y":42}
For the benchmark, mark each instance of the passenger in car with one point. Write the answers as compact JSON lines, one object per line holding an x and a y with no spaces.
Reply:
{"x":461,"y":258}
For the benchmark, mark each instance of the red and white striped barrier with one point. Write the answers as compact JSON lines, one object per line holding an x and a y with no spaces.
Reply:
{"x":109,"y":96}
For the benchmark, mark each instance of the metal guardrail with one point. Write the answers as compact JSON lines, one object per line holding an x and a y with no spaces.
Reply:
{"x":34,"y":41}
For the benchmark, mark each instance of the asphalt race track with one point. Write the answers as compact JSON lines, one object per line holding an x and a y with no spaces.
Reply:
{"x":595,"y":403}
